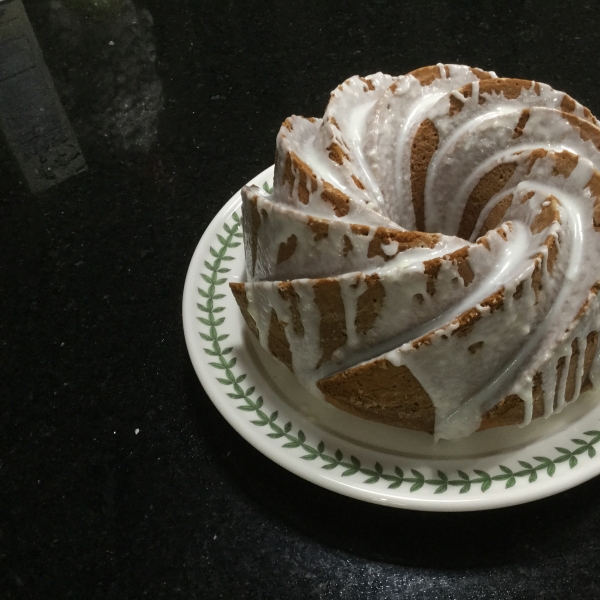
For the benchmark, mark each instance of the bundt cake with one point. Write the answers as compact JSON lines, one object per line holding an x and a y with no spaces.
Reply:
{"x":430,"y":255}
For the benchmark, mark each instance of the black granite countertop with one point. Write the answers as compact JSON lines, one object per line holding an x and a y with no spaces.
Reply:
{"x":118,"y":477}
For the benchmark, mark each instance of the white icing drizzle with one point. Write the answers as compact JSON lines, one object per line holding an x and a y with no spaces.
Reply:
{"x":474,"y":321}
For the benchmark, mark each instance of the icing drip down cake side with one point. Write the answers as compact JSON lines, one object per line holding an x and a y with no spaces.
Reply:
{"x":430,"y":255}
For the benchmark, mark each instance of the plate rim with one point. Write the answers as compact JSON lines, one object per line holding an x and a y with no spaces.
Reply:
{"x":322,"y":475}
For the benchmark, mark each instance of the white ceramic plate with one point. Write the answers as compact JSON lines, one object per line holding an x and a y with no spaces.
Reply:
{"x":262,"y":400}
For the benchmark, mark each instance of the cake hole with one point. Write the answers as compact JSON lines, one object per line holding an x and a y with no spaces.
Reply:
{"x":474,"y":347}
{"x":419,"y":298}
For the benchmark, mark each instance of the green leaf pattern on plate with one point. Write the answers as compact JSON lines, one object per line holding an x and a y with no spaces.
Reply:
{"x":224,"y":363}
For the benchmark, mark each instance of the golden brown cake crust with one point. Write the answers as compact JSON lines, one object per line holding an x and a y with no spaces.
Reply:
{"x":381,"y":392}
{"x":423,"y":148}
{"x":489,"y":185}
{"x":332,"y":327}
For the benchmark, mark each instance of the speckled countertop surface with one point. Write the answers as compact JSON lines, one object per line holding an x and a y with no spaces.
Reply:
{"x":118,"y":477}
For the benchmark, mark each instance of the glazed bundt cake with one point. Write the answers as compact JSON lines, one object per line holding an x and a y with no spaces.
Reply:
{"x":429,"y":256}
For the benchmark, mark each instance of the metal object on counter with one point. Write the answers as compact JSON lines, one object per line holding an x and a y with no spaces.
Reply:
{"x":32,"y":117}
